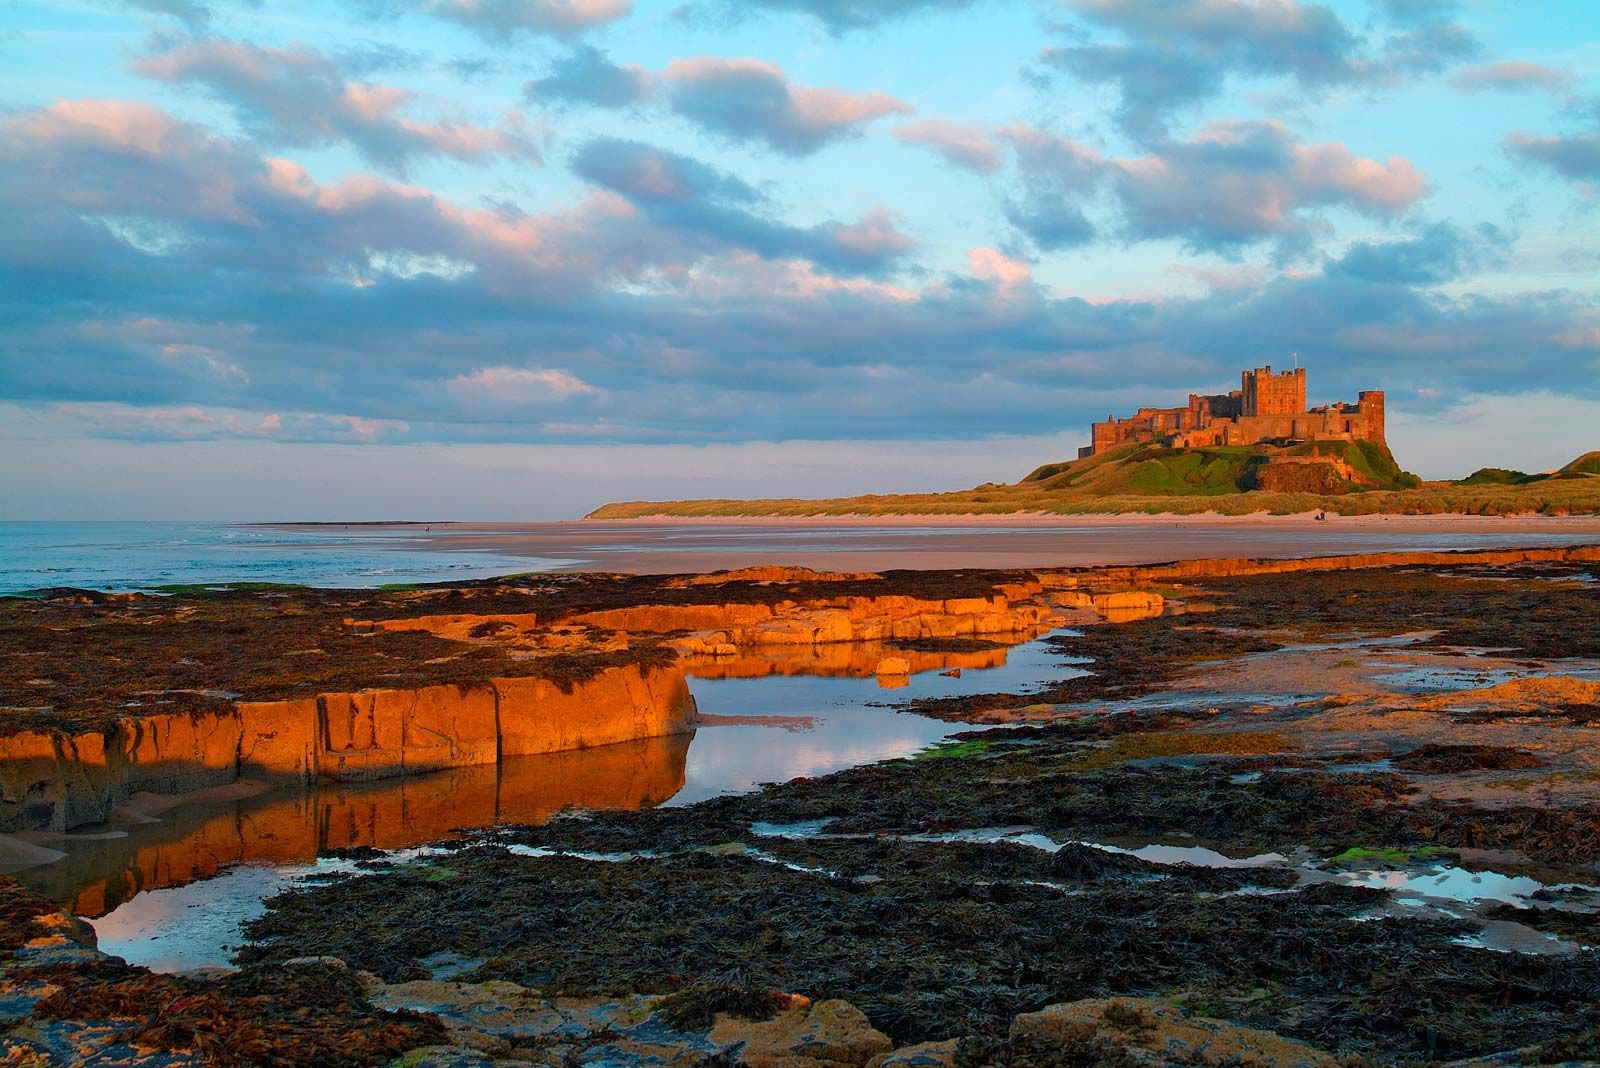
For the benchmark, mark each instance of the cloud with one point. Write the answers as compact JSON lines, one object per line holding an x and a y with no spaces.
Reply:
{"x":721,"y":211}
{"x":1178,"y":53}
{"x":965,"y":145}
{"x":746,"y":99}
{"x":1007,"y":274}
{"x":739,"y":100}
{"x":192,"y":13}
{"x":673,"y":302}
{"x":299,"y":97}
{"x":501,"y":387}
{"x":844,"y":16}
{"x":1232,"y":184}
{"x":501,"y":20}
{"x":1441,"y":252}
{"x":586,"y":75}
{"x":1515,"y":75}
{"x":195,"y":423}
{"x":1575,"y":157}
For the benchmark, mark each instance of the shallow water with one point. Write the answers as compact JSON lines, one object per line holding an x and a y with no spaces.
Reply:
{"x":172,"y":895}
{"x":128,"y":556}
{"x":143,"y":556}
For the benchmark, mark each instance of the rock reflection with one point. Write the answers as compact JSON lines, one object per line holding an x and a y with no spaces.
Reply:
{"x":854,"y":660}
{"x":282,"y":826}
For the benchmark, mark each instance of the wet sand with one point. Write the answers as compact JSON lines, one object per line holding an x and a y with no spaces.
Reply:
{"x":667,"y":546}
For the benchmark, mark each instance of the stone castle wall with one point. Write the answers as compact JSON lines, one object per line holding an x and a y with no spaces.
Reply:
{"x":1268,"y":406}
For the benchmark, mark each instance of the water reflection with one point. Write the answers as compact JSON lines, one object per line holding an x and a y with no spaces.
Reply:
{"x":288,"y":826}
{"x":171,"y":893}
{"x":838,"y":692}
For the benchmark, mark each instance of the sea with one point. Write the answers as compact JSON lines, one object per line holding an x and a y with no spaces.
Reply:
{"x":149,"y":556}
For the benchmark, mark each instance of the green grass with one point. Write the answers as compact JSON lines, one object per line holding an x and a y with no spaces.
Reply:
{"x":1373,"y":461}
{"x":1587,"y":464}
{"x":1499,"y":476}
{"x":1187,"y":472}
{"x":1134,"y":479}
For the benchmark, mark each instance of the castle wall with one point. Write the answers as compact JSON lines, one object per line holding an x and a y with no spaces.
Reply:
{"x":1268,"y":406}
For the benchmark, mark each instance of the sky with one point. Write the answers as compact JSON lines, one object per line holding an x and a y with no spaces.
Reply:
{"x":511,"y":259}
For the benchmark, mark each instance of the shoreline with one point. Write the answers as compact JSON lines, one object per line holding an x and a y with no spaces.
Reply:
{"x":880,"y":543}
{"x":960,"y":519}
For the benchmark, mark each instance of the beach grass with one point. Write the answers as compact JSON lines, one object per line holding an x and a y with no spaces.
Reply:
{"x":1551,"y":497}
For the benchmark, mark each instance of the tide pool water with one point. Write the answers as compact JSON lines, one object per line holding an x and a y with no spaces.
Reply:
{"x":174,"y":894}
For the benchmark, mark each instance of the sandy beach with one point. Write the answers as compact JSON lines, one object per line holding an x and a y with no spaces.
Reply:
{"x":657,"y":546}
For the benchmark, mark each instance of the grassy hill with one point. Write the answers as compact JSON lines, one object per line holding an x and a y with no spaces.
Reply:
{"x":1350,"y":478}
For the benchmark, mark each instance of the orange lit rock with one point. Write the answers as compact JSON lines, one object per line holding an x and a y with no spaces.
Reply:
{"x":173,"y":753}
{"x":619,"y":704}
{"x":55,"y":780}
{"x":52,"y":780}
{"x":465,"y":626}
{"x":772,"y":573}
{"x":828,"y":1034}
{"x":280,"y":738}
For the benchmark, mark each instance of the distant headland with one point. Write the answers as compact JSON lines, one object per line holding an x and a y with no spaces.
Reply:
{"x":1258,"y":448}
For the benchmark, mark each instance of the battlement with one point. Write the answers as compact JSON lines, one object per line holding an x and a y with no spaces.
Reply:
{"x":1268,"y":406}
{"x":1266,"y":393}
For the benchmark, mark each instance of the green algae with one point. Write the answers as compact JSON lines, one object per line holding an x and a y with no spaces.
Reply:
{"x":1391,"y":854}
{"x":955,"y":750}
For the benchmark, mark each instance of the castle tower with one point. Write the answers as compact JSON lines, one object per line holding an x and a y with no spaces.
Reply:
{"x":1266,"y":393}
{"x":1370,"y":404}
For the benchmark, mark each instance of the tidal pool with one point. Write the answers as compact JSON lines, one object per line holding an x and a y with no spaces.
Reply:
{"x":172,"y":894}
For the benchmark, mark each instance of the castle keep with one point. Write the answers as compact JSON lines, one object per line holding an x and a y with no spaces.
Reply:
{"x":1267,"y":406}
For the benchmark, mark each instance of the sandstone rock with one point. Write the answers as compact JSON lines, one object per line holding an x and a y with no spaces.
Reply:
{"x":1138,"y":575}
{"x":473,"y":626}
{"x":922,"y":1055}
{"x":827,"y":1034}
{"x":1160,"y":1034}
{"x":499,"y":1019}
{"x":772,"y":573}
{"x":616,"y":705}
{"x":893,"y":666}
{"x":1128,"y":599}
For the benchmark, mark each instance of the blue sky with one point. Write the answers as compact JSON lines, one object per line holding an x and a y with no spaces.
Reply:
{"x":512,"y":258}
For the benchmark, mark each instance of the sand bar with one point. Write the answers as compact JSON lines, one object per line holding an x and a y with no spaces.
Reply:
{"x":657,"y":546}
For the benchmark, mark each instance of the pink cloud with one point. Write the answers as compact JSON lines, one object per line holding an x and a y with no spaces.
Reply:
{"x":875,"y":236}
{"x":298,"y":96}
{"x":520,"y":385}
{"x":1515,"y":74}
{"x":993,"y":266}
{"x":963,"y":144}
{"x":752,"y":99}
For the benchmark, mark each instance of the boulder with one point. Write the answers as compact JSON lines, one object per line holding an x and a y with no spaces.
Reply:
{"x":894,"y":666}
{"x":1156,"y":1033}
{"x":827,"y":1034}
{"x":922,"y":1055}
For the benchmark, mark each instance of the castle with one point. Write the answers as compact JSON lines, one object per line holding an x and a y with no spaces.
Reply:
{"x":1267,"y":406}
